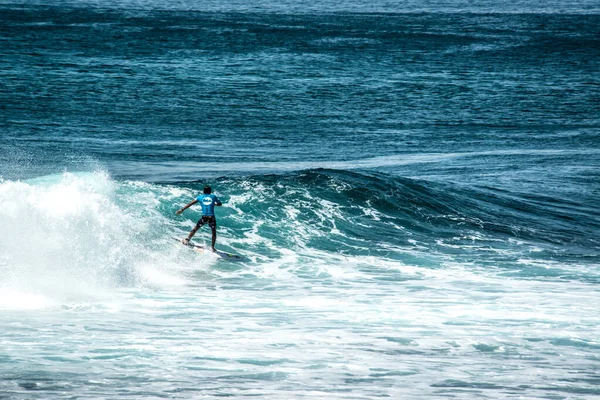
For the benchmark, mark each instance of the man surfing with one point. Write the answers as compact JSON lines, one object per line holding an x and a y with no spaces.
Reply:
{"x":208,"y":202}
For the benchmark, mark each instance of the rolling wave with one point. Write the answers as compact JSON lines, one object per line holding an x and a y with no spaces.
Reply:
{"x":428,"y":210}
{"x":72,"y":234}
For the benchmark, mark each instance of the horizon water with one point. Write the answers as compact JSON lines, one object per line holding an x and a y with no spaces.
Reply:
{"x":414,"y":187}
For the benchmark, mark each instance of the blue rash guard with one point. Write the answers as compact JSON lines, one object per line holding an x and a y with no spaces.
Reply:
{"x":208,"y":202}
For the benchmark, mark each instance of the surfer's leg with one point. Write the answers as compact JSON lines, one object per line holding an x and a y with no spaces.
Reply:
{"x":213,"y":226}
{"x":193,"y":231}
{"x":214,"y":239}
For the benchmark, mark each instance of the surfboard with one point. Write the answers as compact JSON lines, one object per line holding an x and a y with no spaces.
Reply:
{"x":222,"y":254}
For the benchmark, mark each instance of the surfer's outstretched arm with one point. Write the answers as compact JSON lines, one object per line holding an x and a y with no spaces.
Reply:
{"x":191,"y":203}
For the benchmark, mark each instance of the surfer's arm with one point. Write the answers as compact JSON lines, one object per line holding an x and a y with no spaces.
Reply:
{"x":191,"y":203}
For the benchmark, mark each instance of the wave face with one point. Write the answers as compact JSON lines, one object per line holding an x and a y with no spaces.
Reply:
{"x":357,"y":213}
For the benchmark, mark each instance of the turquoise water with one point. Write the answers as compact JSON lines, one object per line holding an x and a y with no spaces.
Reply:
{"x":414,"y":187}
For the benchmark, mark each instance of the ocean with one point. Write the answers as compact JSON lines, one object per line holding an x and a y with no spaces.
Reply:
{"x":414,"y":187}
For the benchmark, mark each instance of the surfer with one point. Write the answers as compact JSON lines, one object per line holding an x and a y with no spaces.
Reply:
{"x":208,"y":202}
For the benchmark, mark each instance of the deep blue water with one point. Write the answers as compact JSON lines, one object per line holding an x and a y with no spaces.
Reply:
{"x":414,"y":187}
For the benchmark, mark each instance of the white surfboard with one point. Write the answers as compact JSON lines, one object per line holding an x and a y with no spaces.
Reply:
{"x":222,"y":254}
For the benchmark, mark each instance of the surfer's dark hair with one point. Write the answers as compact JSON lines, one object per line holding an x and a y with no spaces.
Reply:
{"x":207,"y":190}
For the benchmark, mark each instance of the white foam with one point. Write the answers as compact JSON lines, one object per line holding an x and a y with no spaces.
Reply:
{"x":65,"y":237}
{"x":153,"y":276}
{"x":14,"y":299}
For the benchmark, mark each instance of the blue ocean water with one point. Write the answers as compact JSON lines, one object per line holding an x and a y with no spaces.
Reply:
{"x":414,"y":186}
